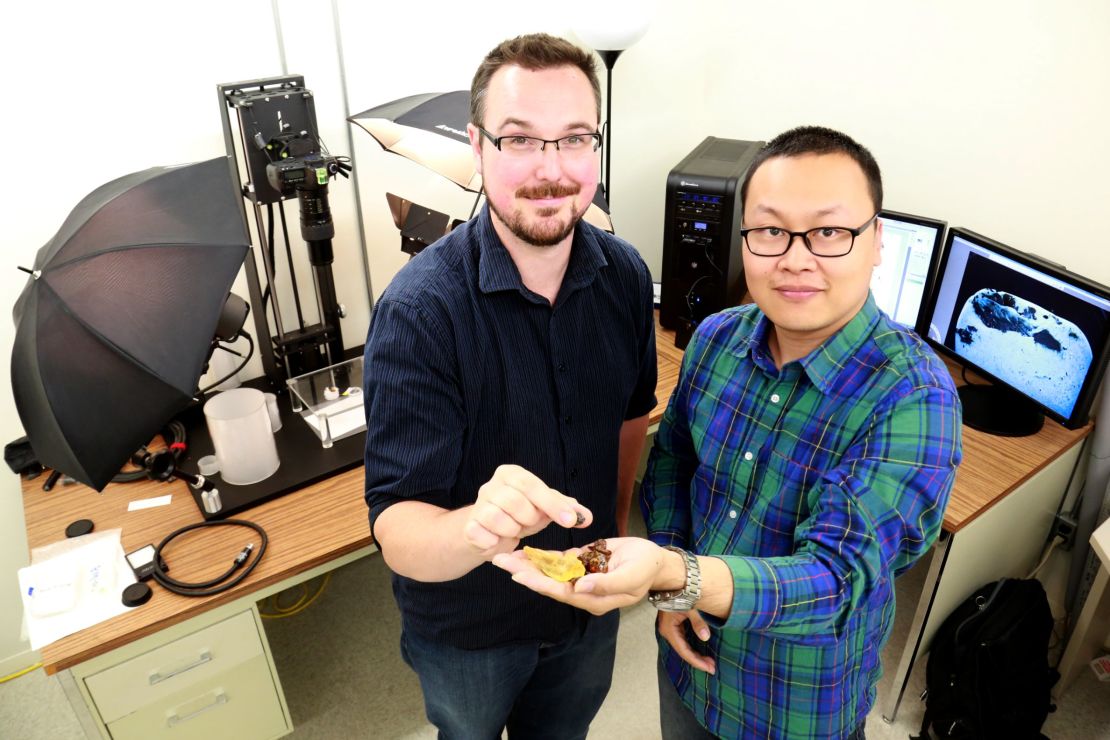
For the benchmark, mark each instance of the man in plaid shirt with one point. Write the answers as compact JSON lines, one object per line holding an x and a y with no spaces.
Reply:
{"x":803,"y":462}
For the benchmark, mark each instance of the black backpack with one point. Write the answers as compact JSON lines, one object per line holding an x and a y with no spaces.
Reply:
{"x":988,"y":674}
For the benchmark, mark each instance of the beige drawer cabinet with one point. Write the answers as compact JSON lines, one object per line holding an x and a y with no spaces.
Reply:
{"x":212,"y":676}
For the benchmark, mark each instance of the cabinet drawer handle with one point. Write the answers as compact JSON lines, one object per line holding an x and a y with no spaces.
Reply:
{"x":204,"y":657}
{"x":174,"y":719}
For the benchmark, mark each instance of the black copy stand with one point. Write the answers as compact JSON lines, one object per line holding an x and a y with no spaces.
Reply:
{"x":302,"y":460}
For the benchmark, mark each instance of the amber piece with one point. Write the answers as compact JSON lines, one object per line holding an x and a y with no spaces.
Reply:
{"x":595,"y":557}
{"x":556,"y":565}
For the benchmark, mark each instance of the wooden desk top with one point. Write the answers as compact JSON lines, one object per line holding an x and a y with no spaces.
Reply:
{"x":306,"y":528}
{"x":669,"y":362}
{"x":993,"y":466}
{"x":327,"y":520}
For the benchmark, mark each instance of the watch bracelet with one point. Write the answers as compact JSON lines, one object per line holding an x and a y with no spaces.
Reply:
{"x":691,"y":590}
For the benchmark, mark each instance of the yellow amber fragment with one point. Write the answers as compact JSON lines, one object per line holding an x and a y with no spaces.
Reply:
{"x":556,"y":565}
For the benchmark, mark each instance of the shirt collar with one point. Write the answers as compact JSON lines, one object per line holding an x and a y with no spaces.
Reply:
{"x":825,"y":364}
{"x":498,"y":272}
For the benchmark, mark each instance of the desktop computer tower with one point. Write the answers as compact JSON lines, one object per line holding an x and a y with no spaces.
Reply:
{"x":702,"y":267}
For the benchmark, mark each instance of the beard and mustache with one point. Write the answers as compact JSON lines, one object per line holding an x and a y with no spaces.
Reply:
{"x":543,"y":232}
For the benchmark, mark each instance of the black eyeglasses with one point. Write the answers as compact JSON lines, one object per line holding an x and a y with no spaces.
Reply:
{"x":574,"y":144}
{"x":823,"y":241}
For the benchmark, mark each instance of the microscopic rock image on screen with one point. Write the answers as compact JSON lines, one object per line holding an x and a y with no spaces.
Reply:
{"x":1032,"y":349}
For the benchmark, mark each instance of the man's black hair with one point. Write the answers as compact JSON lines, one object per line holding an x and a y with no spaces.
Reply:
{"x":818,"y":140}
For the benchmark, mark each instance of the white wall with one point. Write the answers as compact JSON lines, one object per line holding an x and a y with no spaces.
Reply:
{"x":990,"y":115}
{"x":95,"y":91}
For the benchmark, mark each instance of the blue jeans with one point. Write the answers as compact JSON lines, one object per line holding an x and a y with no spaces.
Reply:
{"x":678,"y":723}
{"x":536,"y":690}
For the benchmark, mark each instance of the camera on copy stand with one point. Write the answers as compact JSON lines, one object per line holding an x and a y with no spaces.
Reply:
{"x":285,"y":157}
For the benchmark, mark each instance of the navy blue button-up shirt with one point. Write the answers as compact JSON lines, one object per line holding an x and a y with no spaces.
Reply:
{"x":467,"y":369}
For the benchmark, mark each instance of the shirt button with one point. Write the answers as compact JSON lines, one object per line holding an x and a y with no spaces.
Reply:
{"x":748,"y":456}
{"x":774,"y":398}
{"x":573,"y":473}
{"x":732,"y":514}
{"x":562,"y":367}
{"x":566,"y":419}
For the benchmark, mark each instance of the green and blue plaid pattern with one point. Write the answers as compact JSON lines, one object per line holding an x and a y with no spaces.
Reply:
{"x":817,"y":484}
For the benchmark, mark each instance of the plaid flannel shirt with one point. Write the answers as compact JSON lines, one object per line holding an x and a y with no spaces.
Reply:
{"x":816,"y":484}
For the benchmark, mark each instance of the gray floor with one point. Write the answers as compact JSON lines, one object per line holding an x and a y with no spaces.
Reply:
{"x":343,"y":676}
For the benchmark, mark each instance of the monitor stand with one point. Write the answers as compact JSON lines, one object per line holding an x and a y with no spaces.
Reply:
{"x":1000,"y":411}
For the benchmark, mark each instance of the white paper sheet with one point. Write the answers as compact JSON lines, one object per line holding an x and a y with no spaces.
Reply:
{"x":73,"y":584}
{"x":149,"y":503}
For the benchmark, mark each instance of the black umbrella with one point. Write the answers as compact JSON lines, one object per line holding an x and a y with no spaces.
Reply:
{"x":430,"y":129}
{"x":115,"y":324}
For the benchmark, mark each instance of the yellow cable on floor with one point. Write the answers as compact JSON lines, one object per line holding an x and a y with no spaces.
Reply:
{"x":17,"y":674}
{"x":275,"y":601}
{"x":299,"y":607}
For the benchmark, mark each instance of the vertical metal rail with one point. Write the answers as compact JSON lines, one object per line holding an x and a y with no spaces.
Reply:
{"x":261,"y":328}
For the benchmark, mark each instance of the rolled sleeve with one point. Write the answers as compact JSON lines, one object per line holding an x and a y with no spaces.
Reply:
{"x":414,"y":414}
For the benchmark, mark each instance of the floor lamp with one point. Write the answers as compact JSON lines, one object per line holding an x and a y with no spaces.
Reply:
{"x":611,"y":28}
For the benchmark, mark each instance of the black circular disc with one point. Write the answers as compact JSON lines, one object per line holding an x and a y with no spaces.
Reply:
{"x":79,"y":527}
{"x":136,"y":594}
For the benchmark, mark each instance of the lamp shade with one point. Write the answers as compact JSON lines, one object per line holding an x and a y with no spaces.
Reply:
{"x":614,"y":25}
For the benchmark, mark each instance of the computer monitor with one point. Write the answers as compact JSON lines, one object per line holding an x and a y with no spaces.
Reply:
{"x":911,"y":248}
{"x":1038,"y":332}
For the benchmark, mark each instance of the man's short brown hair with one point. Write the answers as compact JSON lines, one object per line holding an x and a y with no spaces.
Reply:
{"x":534,"y":51}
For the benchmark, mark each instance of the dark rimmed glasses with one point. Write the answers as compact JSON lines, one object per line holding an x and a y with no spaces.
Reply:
{"x":571,"y":145}
{"x":823,"y":241}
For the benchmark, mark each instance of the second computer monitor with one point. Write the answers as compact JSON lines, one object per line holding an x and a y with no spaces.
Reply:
{"x":911,"y":249}
{"x":1039,"y":333}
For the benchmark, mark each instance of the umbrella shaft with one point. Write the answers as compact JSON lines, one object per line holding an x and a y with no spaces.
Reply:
{"x":608,"y":126}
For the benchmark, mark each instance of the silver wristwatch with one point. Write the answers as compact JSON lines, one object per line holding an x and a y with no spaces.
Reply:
{"x":685,"y":599}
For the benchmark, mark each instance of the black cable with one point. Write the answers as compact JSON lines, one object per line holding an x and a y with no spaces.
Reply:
{"x":220,"y":583}
{"x":129,"y":477}
{"x":709,"y":259}
{"x":269,"y":252}
{"x":690,"y":294}
{"x":289,"y":261}
{"x":173,"y":434}
{"x":965,"y":379}
{"x":243,"y":364}
{"x":316,"y":137}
